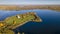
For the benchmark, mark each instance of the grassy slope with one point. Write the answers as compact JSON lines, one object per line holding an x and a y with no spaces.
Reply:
{"x":26,"y":7}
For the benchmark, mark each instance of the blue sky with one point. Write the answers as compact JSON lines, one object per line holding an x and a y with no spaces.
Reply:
{"x":28,"y":2}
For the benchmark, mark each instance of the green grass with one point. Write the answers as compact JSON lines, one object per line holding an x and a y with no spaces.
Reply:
{"x":18,"y":21}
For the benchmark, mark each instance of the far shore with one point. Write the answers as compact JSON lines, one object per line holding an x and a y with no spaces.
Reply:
{"x":27,"y":7}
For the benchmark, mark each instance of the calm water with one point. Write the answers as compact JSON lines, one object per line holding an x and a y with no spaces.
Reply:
{"x":51,"y":21}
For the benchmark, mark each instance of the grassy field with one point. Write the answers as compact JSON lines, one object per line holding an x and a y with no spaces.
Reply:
{"x":13,"y":21}
{"x":18,"y":20}
{"x":26,"y":7}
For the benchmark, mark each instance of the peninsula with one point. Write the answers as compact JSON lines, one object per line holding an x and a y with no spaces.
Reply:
{"x":12,"y":22}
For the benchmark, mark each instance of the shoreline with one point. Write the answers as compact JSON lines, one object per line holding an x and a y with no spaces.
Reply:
{"x":29,"y":7}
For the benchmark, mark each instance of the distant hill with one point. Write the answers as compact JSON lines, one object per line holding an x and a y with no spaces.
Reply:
{"x":26,"y":7}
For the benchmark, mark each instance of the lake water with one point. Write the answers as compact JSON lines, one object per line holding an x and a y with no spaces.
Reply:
{"x":50,"y":21}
